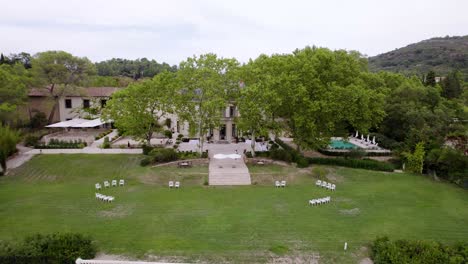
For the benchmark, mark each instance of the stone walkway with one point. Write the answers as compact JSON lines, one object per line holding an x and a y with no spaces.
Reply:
{"x":20,"y":158}
{"x":227,"y":171}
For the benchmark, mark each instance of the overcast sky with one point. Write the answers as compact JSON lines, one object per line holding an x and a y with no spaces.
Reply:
{"x":173,"y":30}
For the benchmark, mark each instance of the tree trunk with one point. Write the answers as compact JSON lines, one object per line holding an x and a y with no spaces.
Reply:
{"x":200,"y":134}
{"x":252,"y":144}
{"x":52,"y":112}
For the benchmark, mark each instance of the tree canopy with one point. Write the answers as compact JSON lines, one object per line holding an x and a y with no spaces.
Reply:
{"x":137,"y":109}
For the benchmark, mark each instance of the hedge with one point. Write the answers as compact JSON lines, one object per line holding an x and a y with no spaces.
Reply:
{"x":354,"y":163}
{"x":159,"y":155}
{"x":59,"y":144}
{"x":411,"y":251}
{"x":52,"y":248}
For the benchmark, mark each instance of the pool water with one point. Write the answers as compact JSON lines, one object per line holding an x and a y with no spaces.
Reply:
{"x":341,"y":144}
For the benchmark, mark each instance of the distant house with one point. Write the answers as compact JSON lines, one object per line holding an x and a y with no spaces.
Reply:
{"x":40,"y":100}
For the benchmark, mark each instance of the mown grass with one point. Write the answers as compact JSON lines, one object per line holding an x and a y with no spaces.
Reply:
{"x":238,"y":224}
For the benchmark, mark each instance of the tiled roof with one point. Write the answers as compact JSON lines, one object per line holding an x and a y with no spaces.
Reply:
{"x":78,"y":92}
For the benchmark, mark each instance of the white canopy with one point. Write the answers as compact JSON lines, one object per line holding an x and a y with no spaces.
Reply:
{"x":90,"y":123}
{"x":230,"y":156}
{"x":68,"y":123}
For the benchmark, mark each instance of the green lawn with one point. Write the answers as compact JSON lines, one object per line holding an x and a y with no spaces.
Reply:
{"x":239,"y":224}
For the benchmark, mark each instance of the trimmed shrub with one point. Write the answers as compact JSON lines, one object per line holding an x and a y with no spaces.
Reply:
{"x":147,"y":149}
{"x":106,"y":143}
{"x":180,"y":136}
{"x":168,"y":133}
{"x":159,"y":155}
{"x":53,"y":248}
{"x":354,"y":163}
{"x":59,"y":144}
{"x":145,"y":161}
{"x":185,"y":140}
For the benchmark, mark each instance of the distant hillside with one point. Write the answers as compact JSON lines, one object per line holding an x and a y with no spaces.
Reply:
{"x":439,"y":54}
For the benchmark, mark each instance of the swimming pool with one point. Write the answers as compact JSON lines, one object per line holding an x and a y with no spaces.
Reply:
{"x":341,"y":144}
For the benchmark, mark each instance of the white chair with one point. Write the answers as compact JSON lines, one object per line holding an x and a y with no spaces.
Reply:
{"x":114,"y":183}
{"x":106,"y":184}
{"x":105,"y":198}
{"x":121,"y":183}
{"x":324,"y":184}
{"x":98,"y":186}
{"x":333,"y":187}
{"x":312,"y":202}
{"x":171,"y":184}
{"x":277,"y":184}
{"x":283,"y":183}
{"x":318,"y":201}
{"x":177,"y":184}
{"x":329,"y":186}
{"x":97,"y":195}
{"x":110,"y":199}
{"x":318,"y":183}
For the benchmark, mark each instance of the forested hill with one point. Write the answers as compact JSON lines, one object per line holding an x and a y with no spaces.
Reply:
{"x":135,"y":69}
{"x":441,"y":55}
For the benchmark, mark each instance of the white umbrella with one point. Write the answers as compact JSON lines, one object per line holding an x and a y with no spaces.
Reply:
{"x":357,"y":134}
{"x":368,"y":138}
{"x":373,"y":140}
{"x":362,"y":137}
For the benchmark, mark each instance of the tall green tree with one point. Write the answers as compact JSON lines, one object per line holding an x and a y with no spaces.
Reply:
{"x":205,"y":85}
{"x":138,"y":109}
{"x":13,"y":88}
{"x":8,"y":140}
{"x":452,"y":85}
{"x":415,"y":160}
{"x":430,"y":79}
{"x":321,"y":89}
{"x":60,"y":72}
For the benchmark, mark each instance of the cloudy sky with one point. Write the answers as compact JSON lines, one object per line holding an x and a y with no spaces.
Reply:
{"x":173,"y":30}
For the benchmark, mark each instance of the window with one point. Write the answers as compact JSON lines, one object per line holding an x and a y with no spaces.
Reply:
{"x":85,"y":103}
{"x":231,"y":111}
{"x":68,"y":103}
{"x":103,"y":103}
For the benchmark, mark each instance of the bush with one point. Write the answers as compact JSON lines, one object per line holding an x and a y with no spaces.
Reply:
{"x":106,"y":143}
{"x":168,"y":133}
{"x":449,"y":164}
{"x":30,"y":140}
{"x":281,"y":154}
{"x":302,"y":162}
{"x":180,"y":136}
{"x":410,"y":251}
{"x":159,"y":155}
{"x":354,"y":163}
{"x":147,"y":149}
{"x":54,"y":248}
{"x":39,"y":120}
{"x":185,"y":140}
{"x":145,"y":161}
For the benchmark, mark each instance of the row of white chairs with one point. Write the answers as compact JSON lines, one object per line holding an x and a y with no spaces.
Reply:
{"x":105,"y":198}
{"x":280,"y":184}
{"x":174,"y":184}
{"x":107,"y":184}
{"x":320,"y":201}
{"x":325,"y":184}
